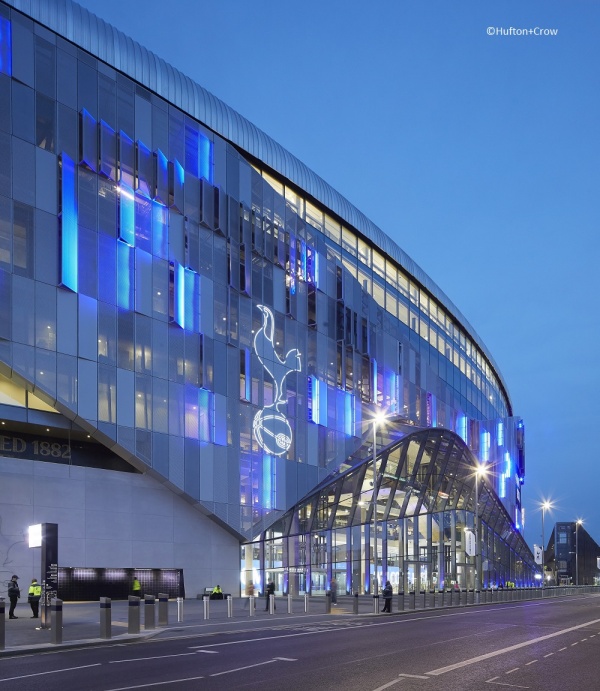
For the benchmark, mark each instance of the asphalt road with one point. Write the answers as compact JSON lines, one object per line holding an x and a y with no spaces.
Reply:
{"x":550,"y":645}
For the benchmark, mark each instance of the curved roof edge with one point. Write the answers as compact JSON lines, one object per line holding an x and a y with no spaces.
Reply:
{"x":82,"y":27}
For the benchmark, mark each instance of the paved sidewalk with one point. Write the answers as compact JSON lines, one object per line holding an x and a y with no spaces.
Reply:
{"x":81,"y":621}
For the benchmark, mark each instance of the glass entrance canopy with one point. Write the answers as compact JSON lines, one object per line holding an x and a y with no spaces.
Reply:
{"x":425,"y":503}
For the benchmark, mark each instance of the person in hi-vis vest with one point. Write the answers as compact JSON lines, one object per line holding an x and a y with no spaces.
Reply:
{"x":35,"y":593}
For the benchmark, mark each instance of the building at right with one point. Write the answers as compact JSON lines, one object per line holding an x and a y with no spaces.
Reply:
{"x":572,"y":556}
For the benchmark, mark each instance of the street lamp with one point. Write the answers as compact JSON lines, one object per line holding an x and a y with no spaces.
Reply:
{"x":377,"y":420}
{"x":480,"y":472}
{"x":545,"y":506}
{"x":577,"y":524}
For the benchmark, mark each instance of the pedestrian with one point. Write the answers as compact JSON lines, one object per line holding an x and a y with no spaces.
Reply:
{"x":33,"y":597}
{"x":14,"y":593}
{"x":387,"y":597}
{"x":136,"y":587}
{"x":270,"y":591}
{"x":334,"y":589}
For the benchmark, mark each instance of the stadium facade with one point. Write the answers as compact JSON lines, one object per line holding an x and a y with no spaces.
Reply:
{"x":196,"y":334}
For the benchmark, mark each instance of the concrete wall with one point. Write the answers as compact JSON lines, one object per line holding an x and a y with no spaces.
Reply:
{"x":109,"y":519}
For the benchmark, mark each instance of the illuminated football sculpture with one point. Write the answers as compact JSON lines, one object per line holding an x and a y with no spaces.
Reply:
{"x":271,"y":427}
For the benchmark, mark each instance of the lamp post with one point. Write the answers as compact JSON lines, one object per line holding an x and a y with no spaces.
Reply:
{"x":480,"y":472}
{"x":577,"y":524}
{"x":377,"y":420}
{"x":545,"y":506}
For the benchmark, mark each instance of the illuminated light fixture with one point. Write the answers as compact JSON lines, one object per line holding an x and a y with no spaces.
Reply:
{"x":35,"y":535}
{"x":271,"y":428}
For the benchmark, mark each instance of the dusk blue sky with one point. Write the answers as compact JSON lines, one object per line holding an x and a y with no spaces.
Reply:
{"x":479,"y":155}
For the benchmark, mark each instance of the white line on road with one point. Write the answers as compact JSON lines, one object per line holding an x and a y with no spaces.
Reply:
{"x":208,"y":652}
{"x":549,"y":655}
{"x":502,"y":651}
{"x":387,"y":686}
{"x":240,"y":669}
{"x":510,"y":671}
{"x":155,"y":683}
{"x":156,"y":657}
{"x":52,"y":671}
{"x":414,"y":676}
{"x":530,"y":663}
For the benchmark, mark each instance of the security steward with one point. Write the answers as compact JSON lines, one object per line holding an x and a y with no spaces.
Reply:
{"x":33,"y":597}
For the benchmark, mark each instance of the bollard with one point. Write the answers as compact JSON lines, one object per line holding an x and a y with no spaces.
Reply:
{"x":163,"y":609}
{"x":149,"y":620}
{"x":289,"y":604}
{"x":328,"y":603}
{"x":251,"y":605}
{"x":375,"y":604}
{"x":133,"y":614}
{"x":229,"y":607}
{"x":435,"y":599}
{"x":179,"y":609}
{"x":424,"y":599}
{"x":2,"y":625}
{"x":105,"y":618}
{"x":355,"y":609}
{"x":306,"y":605}
{"x":205,"y":602}
{"x":271,"y":604}
{"x":413,"y":599}
{"x":56,"y":620}
{"x":477,"y":597}
{"x":401,"y":601}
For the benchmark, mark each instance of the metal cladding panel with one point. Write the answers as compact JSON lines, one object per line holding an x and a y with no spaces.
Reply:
{"x":118,"y":50}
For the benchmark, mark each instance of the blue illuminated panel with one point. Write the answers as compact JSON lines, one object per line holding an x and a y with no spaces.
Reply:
{"x":485,"y":446}
{"x":349,"y":413}
{"x":461,"y":428}
{"x":177,"y":296}
{"x":267,"y":482}
{"x":126,"y":214}
{"x":205,"y":158}
{"x":68,"y":227}
{"x":204,"y":410}
{"x":5,"y":47}
{"x":160,"y":235}
{"x":125,"y":256}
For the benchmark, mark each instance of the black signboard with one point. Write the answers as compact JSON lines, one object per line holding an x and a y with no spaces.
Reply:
{"x":49,"y":569}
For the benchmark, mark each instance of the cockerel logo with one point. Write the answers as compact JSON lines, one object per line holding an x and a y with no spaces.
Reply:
{"x":271,"y":427}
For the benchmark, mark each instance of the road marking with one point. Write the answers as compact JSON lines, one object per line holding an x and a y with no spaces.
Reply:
{"x":530,"y":663}
{"x":502,"y":651}
{"x":504,"y":683}
{"x":510,"y":671}
{"x":387,"y":686}
{"x":561,"y":649}
{"x":156,"y":683}
{"x":583,"y":639}
{"x":413,"y":676}
{"x":572,"y":644}
{"x":287,"y":659}
{"x":258,"y":664}
{"x":156,"y":657}
{"x":549,"y":655}
{"x":52,"y":671}
{"x":208,"y":652}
